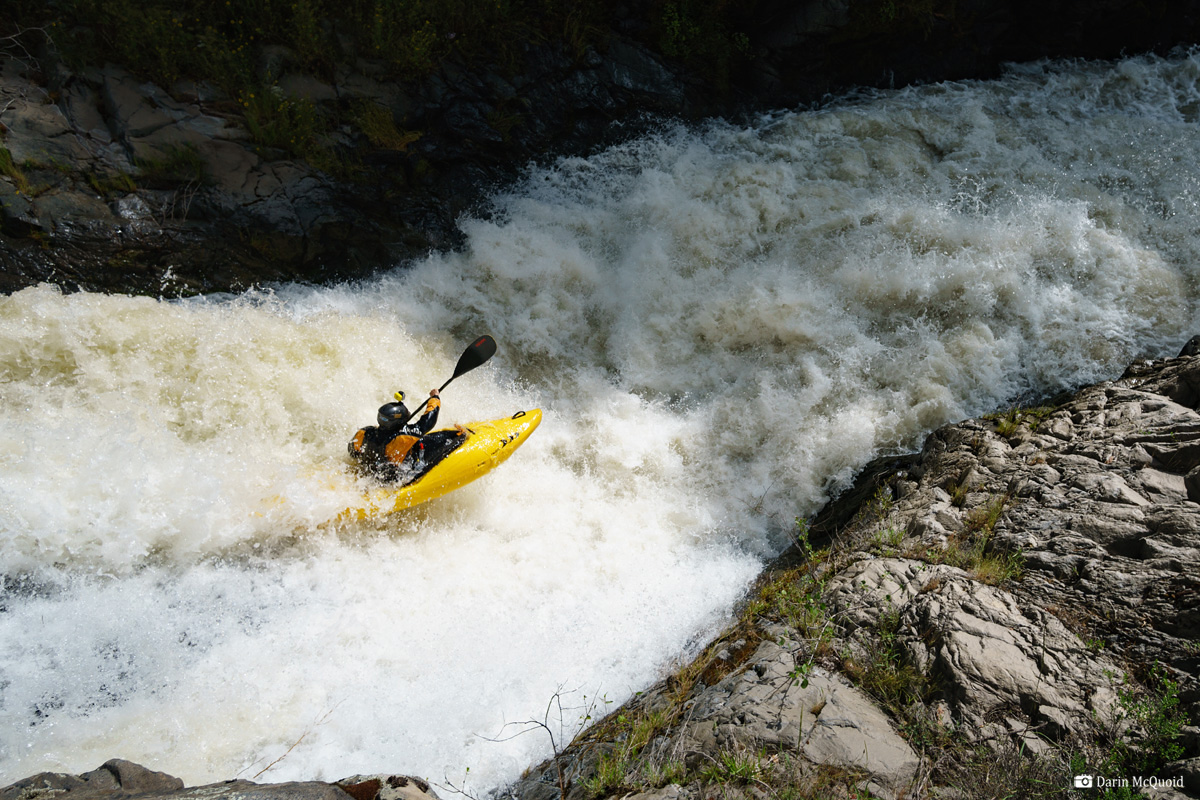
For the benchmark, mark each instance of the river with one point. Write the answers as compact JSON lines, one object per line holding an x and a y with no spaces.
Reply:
{"x":722,"y":324}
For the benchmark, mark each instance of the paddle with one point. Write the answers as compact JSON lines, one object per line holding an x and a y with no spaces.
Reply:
{"x":480,"y":351}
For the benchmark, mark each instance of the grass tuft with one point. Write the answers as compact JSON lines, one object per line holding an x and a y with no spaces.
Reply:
{"x":11,"y":171}
{"x":181,"y":164}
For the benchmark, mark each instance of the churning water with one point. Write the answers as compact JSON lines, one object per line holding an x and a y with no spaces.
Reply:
{"x":722,"y":326}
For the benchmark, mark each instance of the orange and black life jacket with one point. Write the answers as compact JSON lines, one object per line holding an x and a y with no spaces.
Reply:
{"x":385,"y":447}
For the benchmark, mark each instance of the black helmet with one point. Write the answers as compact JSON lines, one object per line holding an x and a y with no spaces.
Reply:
{"x":393,"y":411}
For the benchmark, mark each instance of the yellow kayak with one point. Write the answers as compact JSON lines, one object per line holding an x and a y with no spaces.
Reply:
{"x":487,"y":445}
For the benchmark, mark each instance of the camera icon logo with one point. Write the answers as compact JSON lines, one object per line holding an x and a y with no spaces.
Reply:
{"x":1084,"y":781}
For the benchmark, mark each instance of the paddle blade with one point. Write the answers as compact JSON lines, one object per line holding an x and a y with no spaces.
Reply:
{"x":480,"y":351}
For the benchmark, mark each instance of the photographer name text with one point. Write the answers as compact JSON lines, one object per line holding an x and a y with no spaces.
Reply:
{"x":1136,"y":782}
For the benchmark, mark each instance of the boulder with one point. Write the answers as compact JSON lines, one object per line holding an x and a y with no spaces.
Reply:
{"x":822,"y":718}
{"x":113,"y":778}
{"x":123,"y":779}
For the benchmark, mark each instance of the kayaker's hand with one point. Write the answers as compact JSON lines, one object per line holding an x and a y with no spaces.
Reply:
{"x":433,"y":392}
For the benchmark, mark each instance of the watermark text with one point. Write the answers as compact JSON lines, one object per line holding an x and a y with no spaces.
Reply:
{"x":1135,"y":782}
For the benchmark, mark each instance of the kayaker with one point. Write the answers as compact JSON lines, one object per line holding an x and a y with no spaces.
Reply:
{"x":393,"y":450}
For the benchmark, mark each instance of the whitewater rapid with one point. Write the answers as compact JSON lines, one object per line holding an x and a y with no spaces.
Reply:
{"x":722,"y":325}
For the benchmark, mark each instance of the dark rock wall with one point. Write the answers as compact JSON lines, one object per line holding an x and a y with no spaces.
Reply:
{"x":257,"y":217}
{"x":807,"y":49}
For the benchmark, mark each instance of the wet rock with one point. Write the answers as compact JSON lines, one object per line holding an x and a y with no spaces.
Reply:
{"x":181,"y":163}
{"x":634,"y":68}
{"x":37,"y":130}
{"x":113,"y":778}
{"x":387,"y":787}
{"x":124,"y":779}
{"x":17,"y":216}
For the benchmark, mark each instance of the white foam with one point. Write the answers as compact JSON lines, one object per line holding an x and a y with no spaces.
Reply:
{"x":722,"y":326}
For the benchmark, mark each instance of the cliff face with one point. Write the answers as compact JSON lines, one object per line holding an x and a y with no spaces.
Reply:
{"x":1015,"y":605}
{"x":112,"y":183}
{"x":120,"y":185}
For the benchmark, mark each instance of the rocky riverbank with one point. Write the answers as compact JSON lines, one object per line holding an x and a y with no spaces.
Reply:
{"x":109,"y":182}
{"x":1014,"y":605}
{"x":1017,"y":604}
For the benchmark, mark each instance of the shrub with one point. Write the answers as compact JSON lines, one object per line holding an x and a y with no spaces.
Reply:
{"x":289,"y":124}
{"x":1157,"y":724}
{"x":376,"y":123}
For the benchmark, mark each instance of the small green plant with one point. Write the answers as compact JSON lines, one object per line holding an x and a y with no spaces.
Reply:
{"x":580,"y":33}
{"x":882,"y":502}
{"x":996,"y":568}
{"x":377,"y":124}
{"x":631,"y":732}
{"x":305,"y":31}
{"x":875,"y":16}
{"x":799,"y":674}
{"x":671,"y":771}
{"x":886,"y":541}
{"x":1007,"y":423}
{"x":679,"y":32}
{"x":702,"y":33}
{"x":503,"y":122}
{"x":11,"y":171}
{"x":180,"y":164}
{"x":983,"y":519}
{"x":801,"y":539}
{"x":797,"y":602}
{"x":289,"y":124}
{"x":1039,"y":414}
{"x":111,"y":184}
{"x":732,"y":767}
{"x":973,"y":550}
{"x":886,"y":674}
